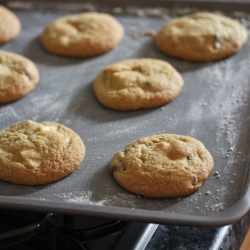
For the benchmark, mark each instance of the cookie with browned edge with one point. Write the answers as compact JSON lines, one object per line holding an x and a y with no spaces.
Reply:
{"x":82,"y":35}
{"x":137,"y":84}
{"x":10,"y":25}
{"x":34,"y":153}
{"x":161,"y":166}
{"x":18,"y":76}
{"x":201,"y":37}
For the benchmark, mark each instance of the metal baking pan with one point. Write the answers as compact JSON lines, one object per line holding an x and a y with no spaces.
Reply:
{"x":213,"y":107}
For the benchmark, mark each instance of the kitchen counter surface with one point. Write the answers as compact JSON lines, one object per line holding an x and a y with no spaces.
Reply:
{"x":228,"y":237}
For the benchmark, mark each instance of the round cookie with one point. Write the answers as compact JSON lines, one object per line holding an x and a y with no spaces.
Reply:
{"x":9,"y":25}
{"x":18,"y":76}
{"x":201,"y":37}
{"x":38,"y":153}
{"x":137,"y":83}
{"x":82,"y":35}
{"x":162,"y":166}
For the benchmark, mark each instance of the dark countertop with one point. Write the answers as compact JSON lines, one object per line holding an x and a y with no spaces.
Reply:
{"x":192,"y":238}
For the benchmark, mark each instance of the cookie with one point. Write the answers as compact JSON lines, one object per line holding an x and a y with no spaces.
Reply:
{"x":161,"y":166}
{"x":137,"y":84}
{"x":201,"y":37}
{"x":18,"y":76}
{"x":34,"y":153}
{"x":82,"y":35}
{"x":10,"y":25}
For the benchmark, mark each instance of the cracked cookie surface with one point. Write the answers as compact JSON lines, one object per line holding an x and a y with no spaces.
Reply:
{"x":201,"y":37}
{"x":137,"y":83}
{"x":10,"y":25}
{"x":82,"y":35}
{"x":18,"y":76}
{"x":34,"y":153}
{"x":161,"y":166}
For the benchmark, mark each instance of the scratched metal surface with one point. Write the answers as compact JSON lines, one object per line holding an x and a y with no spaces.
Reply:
{"x":212,"y":107}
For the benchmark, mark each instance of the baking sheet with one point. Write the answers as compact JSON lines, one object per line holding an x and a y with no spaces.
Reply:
{"x":213,"y":107}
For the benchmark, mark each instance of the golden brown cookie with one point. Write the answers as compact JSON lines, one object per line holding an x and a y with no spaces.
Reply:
{"x":9,"y":25}
{"x":82,"y":35}
{"x":34,"y":153}
{"x":201,"y":37}
{"x":137,"y":83}
{"x":161,"y":166}
{"x":18,"y":76}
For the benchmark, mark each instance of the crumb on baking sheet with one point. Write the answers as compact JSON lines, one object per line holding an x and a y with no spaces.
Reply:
{"x":150,"y":32}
